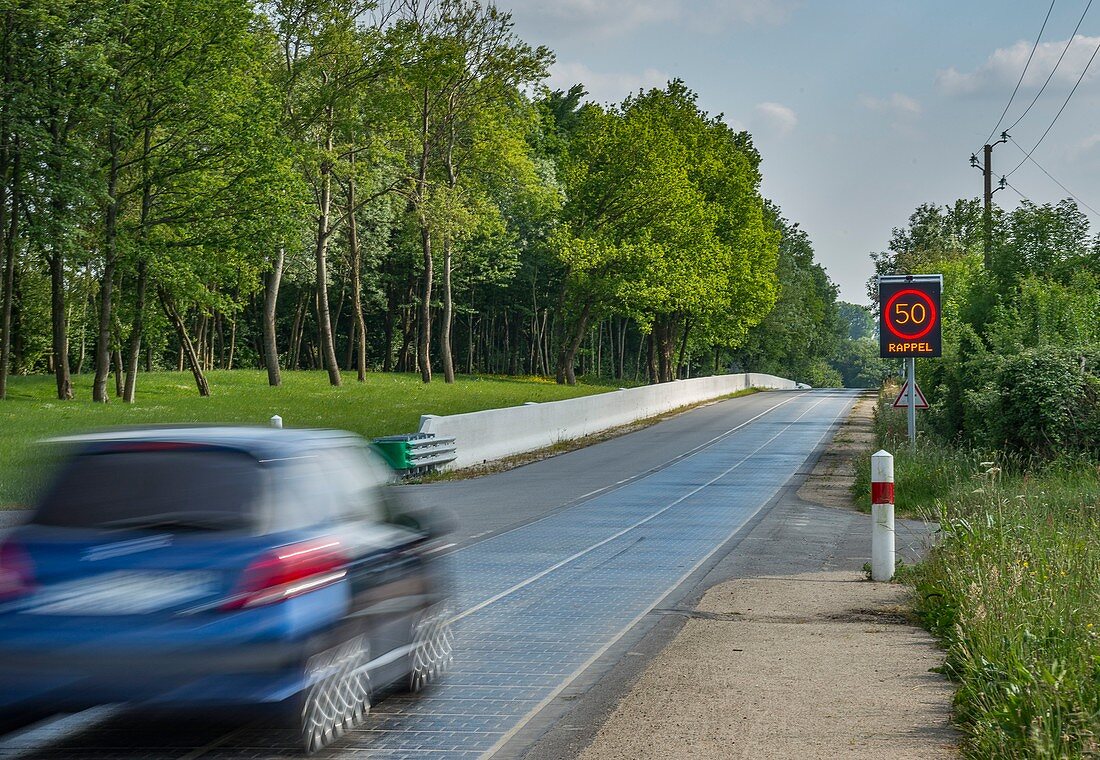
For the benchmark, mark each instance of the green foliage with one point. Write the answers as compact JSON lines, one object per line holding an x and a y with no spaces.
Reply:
{"x":859,"y":365}
{"x":1011,"y":586}
{"x":1047,"y":405}
{"x":666,"y":198}
{"x":805,"y":335}
{"x":858,"y":319}
{"x":925,"y":475}
{"x":177,"y":170}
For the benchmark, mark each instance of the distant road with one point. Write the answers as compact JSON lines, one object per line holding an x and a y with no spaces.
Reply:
{"x":553,"y":563}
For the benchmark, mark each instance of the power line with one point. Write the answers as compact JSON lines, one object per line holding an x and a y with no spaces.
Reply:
{"x":1054,"y":180}
{"x":1063,"y":108}
{"x":1022,"y":73}
{"x":1057,"y":63}
{"x":1009,"y":184}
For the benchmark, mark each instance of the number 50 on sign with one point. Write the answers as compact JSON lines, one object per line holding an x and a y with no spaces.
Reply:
{"x":909,"y":316}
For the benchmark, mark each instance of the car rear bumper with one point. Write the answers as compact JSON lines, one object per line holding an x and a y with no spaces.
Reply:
{"x":268,"y":672}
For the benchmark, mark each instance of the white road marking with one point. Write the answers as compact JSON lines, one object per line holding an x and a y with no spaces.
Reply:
{"x":623,"y":631}
{"x":652,"y":471}
{"x":572,"y":558}
{"x":440,"y":548}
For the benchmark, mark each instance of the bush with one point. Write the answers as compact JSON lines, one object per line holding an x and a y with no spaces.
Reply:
{"x":1046,"y":403}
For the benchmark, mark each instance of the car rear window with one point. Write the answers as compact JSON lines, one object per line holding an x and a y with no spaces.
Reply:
{"x":162,"y":489}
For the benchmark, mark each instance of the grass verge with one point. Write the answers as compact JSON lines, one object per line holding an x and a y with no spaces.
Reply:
{"x":1012,"y":590}
{"x":924,"y":475}
{"x":384,"y":404}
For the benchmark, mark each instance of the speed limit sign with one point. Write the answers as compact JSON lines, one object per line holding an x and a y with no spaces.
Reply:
{"x":909,"y":315}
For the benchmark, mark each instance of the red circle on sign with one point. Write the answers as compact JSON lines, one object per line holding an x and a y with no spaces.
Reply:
{"x":931,"y":314}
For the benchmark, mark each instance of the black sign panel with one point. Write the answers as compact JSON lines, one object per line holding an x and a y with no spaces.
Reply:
{"x":909,"y":316}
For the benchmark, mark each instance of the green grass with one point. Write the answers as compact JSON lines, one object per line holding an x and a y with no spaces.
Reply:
{"x":384,"y":404}
{"x":924,"y":475}
{"x":1012,"y":590}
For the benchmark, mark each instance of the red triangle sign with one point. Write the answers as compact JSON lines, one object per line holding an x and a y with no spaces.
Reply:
{"x":902,"y":401}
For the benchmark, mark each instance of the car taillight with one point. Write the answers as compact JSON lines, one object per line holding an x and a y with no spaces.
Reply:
{"x":288,"y":572}
{"x":16,"y":571}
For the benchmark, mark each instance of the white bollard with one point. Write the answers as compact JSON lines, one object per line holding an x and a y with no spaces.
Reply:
{"x":882,"y":516}
{"x":276,"y":421}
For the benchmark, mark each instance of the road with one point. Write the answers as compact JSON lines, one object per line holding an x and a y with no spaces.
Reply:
{"x":553,"y":564}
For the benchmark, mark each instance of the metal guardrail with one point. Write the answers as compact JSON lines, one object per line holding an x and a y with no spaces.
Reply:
{"x":416,"y":453}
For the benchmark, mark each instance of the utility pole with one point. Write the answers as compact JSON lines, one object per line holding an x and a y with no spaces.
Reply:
{"x":987,"y":214}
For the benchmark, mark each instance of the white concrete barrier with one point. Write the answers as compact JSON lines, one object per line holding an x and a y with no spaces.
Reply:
{"x":496,"y":433}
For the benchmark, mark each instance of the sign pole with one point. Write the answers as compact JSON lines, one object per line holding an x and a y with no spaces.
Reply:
{"x":911,"y":372}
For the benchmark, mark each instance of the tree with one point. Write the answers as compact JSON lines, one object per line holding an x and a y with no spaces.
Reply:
{"x":665,"y":223}
{"x":857,"y":319}
{"x":804,"y":329}
{"x":468,"y":72}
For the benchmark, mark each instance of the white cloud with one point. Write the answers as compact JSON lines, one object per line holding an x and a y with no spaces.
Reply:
{"x":604,"y":86}
{"x":1087,"y":146}
{"x":897,"y":104}
{"x":1002,"y":69}
{"x":614,"y":18}
{"x":774,"y":118}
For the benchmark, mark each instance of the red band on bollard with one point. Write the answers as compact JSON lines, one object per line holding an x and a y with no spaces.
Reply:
{"x":882,"y":493}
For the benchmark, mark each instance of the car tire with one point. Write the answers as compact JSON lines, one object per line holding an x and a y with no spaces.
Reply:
{"x":432,"y":648}
{"x":338,"y":695}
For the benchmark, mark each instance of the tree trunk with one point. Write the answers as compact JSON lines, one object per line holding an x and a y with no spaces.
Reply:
{"x":296,"y":330}
{"x":447,"y":319}
{"x":200,"y":344}
{"x":359,"y":333}
{"x":186,"y":346}
{"x":110,"y":249}
{"x":11,"y":231}
{"x":683,"y":347}
{"x":233,"y":343}
{"x":272,"y":280}
{"x":328,"y":347}
{"x":651,"y":375}
{"x":568,"y":354}
{"x":58,"y":308}
{"x":60,"y":327}
{"x":116,"y":360}
{"x":423,"y":340}
{"x":128,"y":392}
{"x":664,"y":332}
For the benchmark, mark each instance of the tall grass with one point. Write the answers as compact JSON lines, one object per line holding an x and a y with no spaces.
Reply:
{"x":1012,"y":589}
{"x":924,"y":475}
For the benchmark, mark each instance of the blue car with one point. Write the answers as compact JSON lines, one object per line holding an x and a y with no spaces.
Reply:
{"x":189,"y":567}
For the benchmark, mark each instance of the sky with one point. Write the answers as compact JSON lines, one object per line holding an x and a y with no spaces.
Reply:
{"x":861,"y":109}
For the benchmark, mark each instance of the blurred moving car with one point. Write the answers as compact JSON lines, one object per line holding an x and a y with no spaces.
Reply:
{"x":221,"y":566}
